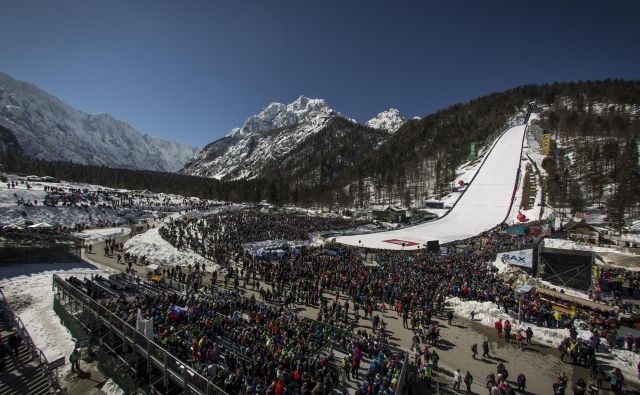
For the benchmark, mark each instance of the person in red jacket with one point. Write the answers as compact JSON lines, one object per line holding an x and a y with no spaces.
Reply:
{"x":279,"y":387}
{"x":498,"y":326}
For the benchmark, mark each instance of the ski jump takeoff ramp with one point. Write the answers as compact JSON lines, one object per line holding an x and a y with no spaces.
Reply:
{"x":485,"y":203}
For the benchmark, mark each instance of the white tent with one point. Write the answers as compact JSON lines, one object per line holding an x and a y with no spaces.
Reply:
{"x":40,"y":225}
{"x":151,"y":268}
{"x":146,"y":193}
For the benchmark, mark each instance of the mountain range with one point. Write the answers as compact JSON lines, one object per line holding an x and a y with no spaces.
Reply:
{"x":271,"y":137}
{"x":40,"y":125}
{"x":308,"y":154}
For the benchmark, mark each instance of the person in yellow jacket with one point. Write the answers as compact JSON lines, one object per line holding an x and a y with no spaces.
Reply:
{"x":557,"y":317}
{"x":427,"y":375}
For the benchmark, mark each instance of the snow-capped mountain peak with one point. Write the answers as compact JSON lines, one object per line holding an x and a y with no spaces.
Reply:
{"x":278,"y":115}
{"x":389,"y":120}
{"x":304,"y":105}
{"x":270,"y":134}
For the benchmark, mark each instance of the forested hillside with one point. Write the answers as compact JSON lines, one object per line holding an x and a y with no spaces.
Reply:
{"x":420,"y":159}
{"x":595,"y":160}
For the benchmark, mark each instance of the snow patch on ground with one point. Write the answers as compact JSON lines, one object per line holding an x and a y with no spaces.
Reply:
{"x":566,"y":244}
{"x":159,"y":251}
{"x":9,"y":197}
{"x":567,"y":291}
{"x":111,"y":388}
{"x":28,"y":290}
{"x":626,"y":361}
{"x":488,"y":313}
{"x":102,"y":233}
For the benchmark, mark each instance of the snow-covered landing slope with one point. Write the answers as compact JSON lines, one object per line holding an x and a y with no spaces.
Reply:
{"x":484,"y":205}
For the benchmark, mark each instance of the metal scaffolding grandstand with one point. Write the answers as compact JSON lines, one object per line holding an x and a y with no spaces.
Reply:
{"x":153,"y":368}
{"x":151,"y":365}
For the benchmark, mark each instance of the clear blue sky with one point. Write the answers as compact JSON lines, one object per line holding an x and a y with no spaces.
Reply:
{"x":192,"y":70}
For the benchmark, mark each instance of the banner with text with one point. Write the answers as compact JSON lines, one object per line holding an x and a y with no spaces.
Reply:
{"x":522,"y":258}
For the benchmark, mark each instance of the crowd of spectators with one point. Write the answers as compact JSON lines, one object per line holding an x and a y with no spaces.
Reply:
{"x":33,"y":236}
{"x":613,"y":280}
{"x":247,"y":346}
{"x":129,"y":205}
{"x":222,"y":235}
{"x":415,"y":285}
{"x":418,"y":281}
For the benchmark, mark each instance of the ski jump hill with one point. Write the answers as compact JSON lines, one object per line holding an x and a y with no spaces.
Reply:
{"x":485,"y":204}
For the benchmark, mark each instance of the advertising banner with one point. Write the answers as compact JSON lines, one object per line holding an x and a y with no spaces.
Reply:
{"x":522,"y":258}
{"x":516,"y":230}
{"x":545,"y":145}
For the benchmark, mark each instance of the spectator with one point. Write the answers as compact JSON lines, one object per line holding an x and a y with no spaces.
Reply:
{"x":457,"y":380}
{"x":468,"y":380}
{"x":14,"y":341}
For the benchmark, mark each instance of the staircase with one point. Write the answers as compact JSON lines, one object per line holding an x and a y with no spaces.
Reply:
{"x":23,"y":375}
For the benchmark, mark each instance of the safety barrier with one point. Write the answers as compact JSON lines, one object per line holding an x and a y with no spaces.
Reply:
{"x":515,"y":187}
{"x":402,"y":387}
{"x":97,"y":318}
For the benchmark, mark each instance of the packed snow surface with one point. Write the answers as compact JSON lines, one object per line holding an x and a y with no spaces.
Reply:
{"x":483,"y":205}
{"x":159,"y":251}
{"x":28,"y":290}
{"x":111,"y":388}
{"x":102,"y":233}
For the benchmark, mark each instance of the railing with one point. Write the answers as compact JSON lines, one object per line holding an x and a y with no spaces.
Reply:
{"x":24,"y":334}
{"x":402,"y":382}
{"x":515,"y":186}
{"x":113,"y":322}
{"x":178,"y":371}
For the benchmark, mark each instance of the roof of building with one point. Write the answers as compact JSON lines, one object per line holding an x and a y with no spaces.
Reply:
{"x":577,"y":301}
{"x":575,"y":224}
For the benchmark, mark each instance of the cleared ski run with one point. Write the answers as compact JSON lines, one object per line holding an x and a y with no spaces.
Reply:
{"x":485,"y":203}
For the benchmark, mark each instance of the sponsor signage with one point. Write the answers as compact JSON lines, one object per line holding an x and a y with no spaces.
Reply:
{"x":522,"y":258}
{"x":517,"y":230}
{"x":545,"y":145}
{"x":403,"y":243}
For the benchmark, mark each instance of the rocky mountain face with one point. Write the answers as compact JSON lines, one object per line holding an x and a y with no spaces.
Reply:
{"x":45,"y":127}
{"x":389,"y":120}
{"x":326,"y":155}
{"x":8,"y":142}
{"x":270,"y":137}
